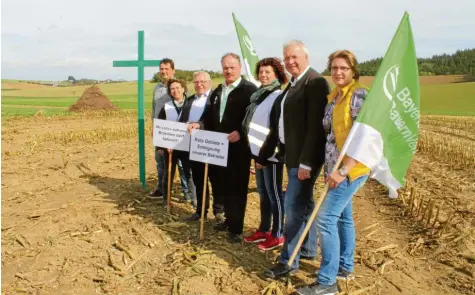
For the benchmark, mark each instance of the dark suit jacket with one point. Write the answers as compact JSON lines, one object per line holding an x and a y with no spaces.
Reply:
{"x":304,"y":108}
{"x":238,"y":101}
{"x":187,"y":107}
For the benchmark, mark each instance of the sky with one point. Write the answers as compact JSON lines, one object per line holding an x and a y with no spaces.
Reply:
{"x":50,"y":40}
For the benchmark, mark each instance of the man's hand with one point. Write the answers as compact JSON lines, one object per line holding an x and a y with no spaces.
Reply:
{"x":303,"y":173}
{"x":259,"y":166}
{"x":234,"y":136}
{"x":192,"y":126}
{"x":160,"y":151}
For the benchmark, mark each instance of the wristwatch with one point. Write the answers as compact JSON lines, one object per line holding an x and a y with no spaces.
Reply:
{"x":342,"y":171}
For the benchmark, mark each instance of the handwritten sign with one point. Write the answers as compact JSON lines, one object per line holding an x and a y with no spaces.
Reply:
{"x":171,"y":135}
{"x":209,"y":147}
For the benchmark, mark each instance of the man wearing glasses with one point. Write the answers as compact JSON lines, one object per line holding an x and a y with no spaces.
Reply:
{"x":193,"y":112}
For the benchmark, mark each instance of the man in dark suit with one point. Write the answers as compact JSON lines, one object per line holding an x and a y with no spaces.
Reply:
{"x":297,"y":131}
{"x":193,"y":112}
{"x":225,"y":114}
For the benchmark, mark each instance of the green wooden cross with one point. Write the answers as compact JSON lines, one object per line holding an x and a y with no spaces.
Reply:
{"x":140,"y":63}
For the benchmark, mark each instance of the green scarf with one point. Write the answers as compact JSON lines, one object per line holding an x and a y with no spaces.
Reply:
{"x":263,"y":89}
{"x":256,"y":98}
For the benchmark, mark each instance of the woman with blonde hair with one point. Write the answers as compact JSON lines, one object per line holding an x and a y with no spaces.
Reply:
{"x":334,"y":220}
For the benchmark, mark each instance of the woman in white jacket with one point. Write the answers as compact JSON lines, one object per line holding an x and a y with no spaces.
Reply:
{"x":256,"y":124}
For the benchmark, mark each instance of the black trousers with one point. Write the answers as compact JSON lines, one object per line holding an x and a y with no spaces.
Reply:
{"x":198,"y":171}
{"x":231,"y":184}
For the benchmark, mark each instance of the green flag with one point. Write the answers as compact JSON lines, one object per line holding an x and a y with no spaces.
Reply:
{"x":384,"y":136}
{"x":249,"y":54}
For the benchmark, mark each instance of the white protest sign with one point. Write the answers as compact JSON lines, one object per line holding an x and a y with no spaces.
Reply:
{"x":209,"y":147}
{"x":171,"y":135}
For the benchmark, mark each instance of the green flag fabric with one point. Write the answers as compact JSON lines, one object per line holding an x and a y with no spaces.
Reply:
{"x":384,"y":135}
{"x":249,"y":54}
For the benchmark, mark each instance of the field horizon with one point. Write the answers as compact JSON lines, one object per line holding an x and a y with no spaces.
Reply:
{"x":440,"y":95}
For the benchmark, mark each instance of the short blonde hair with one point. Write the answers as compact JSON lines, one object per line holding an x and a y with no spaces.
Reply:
{"x":349,"y":57}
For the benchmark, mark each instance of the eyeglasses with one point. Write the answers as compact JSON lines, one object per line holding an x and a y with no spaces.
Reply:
{"x":200,"y":82}
{"x":343,"y":69}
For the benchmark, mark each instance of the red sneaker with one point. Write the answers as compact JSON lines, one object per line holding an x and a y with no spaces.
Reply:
{"x":271,"y":243}
{"x":257,"y":237}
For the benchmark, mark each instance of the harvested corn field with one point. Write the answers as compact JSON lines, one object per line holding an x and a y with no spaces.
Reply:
{"x":75,"y":219}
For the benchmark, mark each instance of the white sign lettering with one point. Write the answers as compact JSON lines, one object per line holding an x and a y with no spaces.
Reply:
{"x":171,"y":135}
{"x":209,"y":147}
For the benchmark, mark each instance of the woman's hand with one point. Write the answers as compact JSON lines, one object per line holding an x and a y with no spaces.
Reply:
{"x":334,"y":179}
{"x":160,"y":151}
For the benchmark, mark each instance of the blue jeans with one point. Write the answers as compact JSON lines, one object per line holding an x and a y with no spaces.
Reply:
{"x":183,"y":180}
{"x":269,"y":185}
{"x":161,"y":171}
{"x":299,"y":205}
{"x":337,"y":230}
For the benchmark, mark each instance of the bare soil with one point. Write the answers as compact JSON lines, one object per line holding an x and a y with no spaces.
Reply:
{"x":92,"y":99}
{"x":75,"y":220}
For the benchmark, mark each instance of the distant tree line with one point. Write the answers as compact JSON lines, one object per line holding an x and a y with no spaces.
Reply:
{"x":185,"y":75}
{"x":461,"y":62}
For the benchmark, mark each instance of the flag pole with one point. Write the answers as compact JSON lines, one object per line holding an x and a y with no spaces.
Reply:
{"x":319,"y":203}
{"x":400,"y":31}
{"x":203,"y":201}
{"x":312,"y":217}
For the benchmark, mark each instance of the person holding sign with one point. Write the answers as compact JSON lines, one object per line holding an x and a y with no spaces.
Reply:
{"x":193,"y":112}
{"x":225,"y":113}
{"x":269,"y":173}
{"x":160,"y":97}
{"x":335,"y":220}
{"x":297,"y":130}
{"x":172,"y":111}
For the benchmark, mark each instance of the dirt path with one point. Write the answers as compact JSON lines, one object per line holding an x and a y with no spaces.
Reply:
{"x":76,"y":221}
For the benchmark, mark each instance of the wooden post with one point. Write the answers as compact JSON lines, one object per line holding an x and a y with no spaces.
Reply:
{"x":203,"y":202}
{"x":313,"y":215}
{"x":169,"y":195}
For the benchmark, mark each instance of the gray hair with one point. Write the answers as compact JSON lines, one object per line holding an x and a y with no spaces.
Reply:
{"x":233,"y":55}
{"x":207,"y":76}
{"x":296,"y":43}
